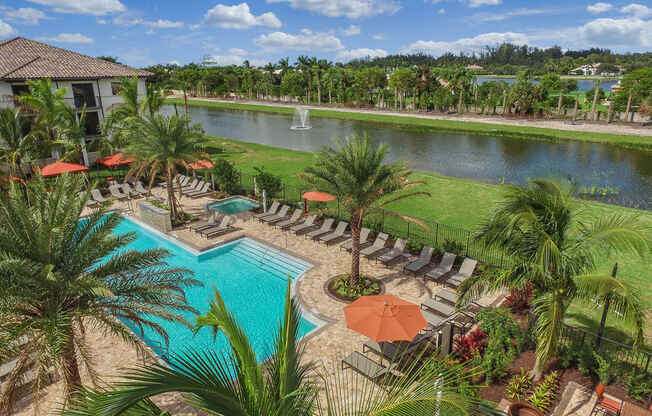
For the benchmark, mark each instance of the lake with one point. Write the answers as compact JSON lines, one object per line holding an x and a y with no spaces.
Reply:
{"x":492,"y":159}
{"x":583,"y":85}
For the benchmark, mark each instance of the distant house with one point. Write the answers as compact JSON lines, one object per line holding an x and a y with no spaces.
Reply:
{"x":88,"y":81}
{"x":589,"y":69}
{"x":475,"y":67}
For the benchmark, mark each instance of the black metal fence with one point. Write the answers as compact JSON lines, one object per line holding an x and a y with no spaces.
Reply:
{"x":417,"y":230}
{"x":614,"y":350}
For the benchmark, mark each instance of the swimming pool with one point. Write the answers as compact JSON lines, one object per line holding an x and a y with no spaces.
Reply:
{"x":233,"y":205}
{"x":251,"y":276}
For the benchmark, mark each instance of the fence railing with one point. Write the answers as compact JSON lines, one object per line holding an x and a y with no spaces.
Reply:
{"x":420,"y":230}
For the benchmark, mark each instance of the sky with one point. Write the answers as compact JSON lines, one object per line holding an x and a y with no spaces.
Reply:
{"x":147,"y":32}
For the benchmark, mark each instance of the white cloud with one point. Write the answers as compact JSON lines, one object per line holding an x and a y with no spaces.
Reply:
{"x":194,"y":27}
{"x":314,"y":42}
{"x":164,"y":24}
{"x":637,"y":10}
{"x":67,"y":38}
{"x":223,"y":60}
{"x":6,"y":30}
{"x":25,"y":15}
{"x":497,"y":17}
{"x":175,"y":62}
{"x":127,"y":19}
{"x":92,"y":7}
{"x":237,"y":51}
{"x":101,"y":22}
{"x":442,"y":11}
{"x":598,"y":7}
{"x":478,"y":3}
{"x":466,"y":45}
{"x":351,"y":30}
{"x":379,"y":36}
{"x":361,"y":53}
{"x":239,"y":17}
{"x":628,"y":33}
{"x":353,"y":9}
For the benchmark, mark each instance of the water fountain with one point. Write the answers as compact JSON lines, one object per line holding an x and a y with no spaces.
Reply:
{"x":301,"y":120}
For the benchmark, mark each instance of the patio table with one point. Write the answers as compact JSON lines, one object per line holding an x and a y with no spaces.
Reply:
{"x":630,"y":409}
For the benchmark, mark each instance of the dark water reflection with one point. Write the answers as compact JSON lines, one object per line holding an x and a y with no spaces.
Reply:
{"x":583,"y":85}
{"x":484,"y":158}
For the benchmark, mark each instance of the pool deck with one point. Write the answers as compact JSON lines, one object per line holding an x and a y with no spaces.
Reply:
{"x":326,"y":345}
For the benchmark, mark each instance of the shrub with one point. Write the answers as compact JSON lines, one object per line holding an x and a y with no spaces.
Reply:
{"x":414,"y":246}
{"x":470,"y":345}
{"x":453,"y":246}
{"x":603,"y":369}
{"x":638,"y":385}
{"x":543,"y":394}
{"x":227,"y":177}
{"x":518,"y":385}
{"x":269,"y":182}
{"x":585,"y":360}
{"x":504,"y":344}
{"x":519,"y":299}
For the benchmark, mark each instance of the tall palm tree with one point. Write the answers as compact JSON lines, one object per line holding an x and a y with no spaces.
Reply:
{"x":355,"y":172}
{"x":16,"y":142}
{"x":162,"y":144}
{"x":61,"y":275}
{"x":50,"y":107}
{"x":556,"y":249}
{"x":286,"y":385}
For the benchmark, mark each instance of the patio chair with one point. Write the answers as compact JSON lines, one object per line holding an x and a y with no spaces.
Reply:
{"x":178,"y":180}
{"x":98,"y":197}
{"x":441,"y":308}
{"x":223,"y":228}
{"x":117,"y":193}
{"x":394,"y":351}
{"x":397,"y":251}
{"x":131,"y":191}
{"x":281,"y":216}
{"x":326,"y":227}
{"x":271,"y":211}
{"x":446,"y":295}
{"x":202,"y":191}
{"x":377,"y":246}
{"x":435,"y":320}
{"x":191,"y":187}
{"x":335,"y":235}
{"x":606,"y":405}
{"x":307,"y":224}
{"x":466,"y":270}
{"x":289,"y":222}
{"x":421,"y":262}
{"x":365,"y":366}
{"x":444,"y":267}
{"x":202,"y":225}
{"x":364,"y":240}
{"x":140,"y":188}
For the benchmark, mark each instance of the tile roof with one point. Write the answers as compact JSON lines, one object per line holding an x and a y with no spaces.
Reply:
{"x":22,"y":59}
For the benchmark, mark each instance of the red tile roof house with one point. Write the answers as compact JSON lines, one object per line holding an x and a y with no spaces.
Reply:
{"x":87,"y":80}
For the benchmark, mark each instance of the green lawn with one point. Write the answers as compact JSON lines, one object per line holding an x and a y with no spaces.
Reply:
{"x":534,"y":133}
{"x":459,"y":202}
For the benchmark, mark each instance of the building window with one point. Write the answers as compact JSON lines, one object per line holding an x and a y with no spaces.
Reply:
{"x":116,"y":87}
{"x":19,"y":89}
{"x":92,"y":124}
{"x":83,"y":95}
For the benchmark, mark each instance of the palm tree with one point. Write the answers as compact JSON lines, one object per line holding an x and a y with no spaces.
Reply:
{"x":355,"y":172}
{"x":161,"y":143}
{"x":61,"y":275}
{"x":50,"y":108}
{"x":556,"y":250}
{"x":286,"y":385}
{"x":16,"y":142}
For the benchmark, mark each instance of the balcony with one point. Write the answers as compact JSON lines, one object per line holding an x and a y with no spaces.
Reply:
{"x":90,"y":101}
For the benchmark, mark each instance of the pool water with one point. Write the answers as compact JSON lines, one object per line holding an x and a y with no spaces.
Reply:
{"x":251,"y":277}
{"x":233,"y":205}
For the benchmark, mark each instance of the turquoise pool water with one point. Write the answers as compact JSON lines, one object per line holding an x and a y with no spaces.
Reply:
{"x":233,"y":205}
{"x":251,"y":277}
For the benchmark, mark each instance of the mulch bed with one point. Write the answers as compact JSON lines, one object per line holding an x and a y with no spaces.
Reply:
{"x":332,"y":293}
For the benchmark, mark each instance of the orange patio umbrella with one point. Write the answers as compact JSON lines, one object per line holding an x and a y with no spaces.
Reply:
{"x":201,"y":164}
{"x":57,"y":168}
{"x":117,"y":159}
{"x":385,"y":318}
{"x":315,"y":196}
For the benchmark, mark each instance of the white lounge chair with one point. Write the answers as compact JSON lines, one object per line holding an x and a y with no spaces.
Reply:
{"x":271,"y":211}
{"x":203,"y":190}
{"x":335,"y":235}
{"x":444,"y":267}
{"x":202,"y":225}
{"x":307,"y":224}
{"x":325,"y":228}
{"x":131,"y":191}
{"x":466,"y":270}
{"x":365,"y":366}
{"x":377,"y":246}
{"x":140,"y":188}
{"x":289,"y":222}
{"x":421,"y":262}
{"x":97,"y":196}
{"x":364,"y":240}
{"x":282,"y":215}
{"x":223,"y":228}
{"x":396,"y":252}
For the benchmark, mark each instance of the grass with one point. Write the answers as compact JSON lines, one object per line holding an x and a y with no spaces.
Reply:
{"x":535,"y":133}
{"x":459,"y":202}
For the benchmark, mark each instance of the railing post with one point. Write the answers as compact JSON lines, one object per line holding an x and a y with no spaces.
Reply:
{"x":436,"y":234}
{"x":382,"y":225}
{"x":468,"y":241}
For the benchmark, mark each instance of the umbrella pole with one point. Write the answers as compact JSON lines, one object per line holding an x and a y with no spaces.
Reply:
{"x":305,"y":206}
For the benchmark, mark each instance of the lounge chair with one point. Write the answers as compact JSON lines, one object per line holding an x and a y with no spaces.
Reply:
{"x":202,"y":225}
{"x":441,"y":308}
{"x":281,"y":216}
{"x":223,"y":228}
{"x":421,"y":262}
{"x":335,"y":235}
{"x":307,"y":224}
{"x":192,"y":186}
{"x":377,"y":246}
{"x":131,"y":191}
{"x":326,"y":227}
{"x":116,"y":192}
{"x":444,"y":267}
{"x":289,"y":222}
{"x":396,"y":252}
{"x":179,"y":180}
{"x":271,"y":211}
{"x":434,"y":320}
{"x":97,"y":196}
{"x":394,"y":351}
{"x":202,"y":191}
{"x":364,"y":240}
{"x":140,"y":188}
{"x":365,"y":366}
{"x":466,"y":270}
{"x":446,"y":296}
